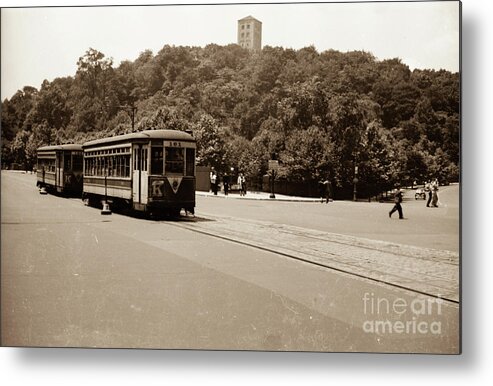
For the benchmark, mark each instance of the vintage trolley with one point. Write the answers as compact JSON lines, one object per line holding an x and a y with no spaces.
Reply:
{"x":152,"y":171}
{"x":59,"y":168}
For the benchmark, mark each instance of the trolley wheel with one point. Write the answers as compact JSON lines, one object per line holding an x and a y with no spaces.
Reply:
{"x":175,"y":212}
{"x":91,"y":200}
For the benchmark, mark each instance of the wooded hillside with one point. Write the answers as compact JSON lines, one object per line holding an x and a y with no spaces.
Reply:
{"x":319,"y":114}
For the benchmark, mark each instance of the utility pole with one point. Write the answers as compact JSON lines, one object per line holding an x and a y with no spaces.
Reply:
{"x":130,"y":110}
{"x":273,"y":166}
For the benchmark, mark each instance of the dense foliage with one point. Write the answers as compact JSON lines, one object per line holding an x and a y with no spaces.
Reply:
{"x":319,"y":114}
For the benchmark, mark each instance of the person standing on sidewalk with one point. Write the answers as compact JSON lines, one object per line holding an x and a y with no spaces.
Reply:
{"x":226,"y":184}
{"x":241,"y":184}
{"x":214,"y":182}
{"x":212,"y":178}
{"x":244,"y":184}
{"x":397,"y":206}
{"x":434,"y":188}
{"x":429,"y":192}
{"x":218,"y":183}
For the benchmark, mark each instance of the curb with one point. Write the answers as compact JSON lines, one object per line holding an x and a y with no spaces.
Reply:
{"x":252,"y":197}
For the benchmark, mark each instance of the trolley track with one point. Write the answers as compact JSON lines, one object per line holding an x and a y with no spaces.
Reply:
{"x":446,"y":291}
{"x":312,"y":250}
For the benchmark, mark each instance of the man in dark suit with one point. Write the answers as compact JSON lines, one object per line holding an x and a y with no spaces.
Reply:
{"x":397,"y":206}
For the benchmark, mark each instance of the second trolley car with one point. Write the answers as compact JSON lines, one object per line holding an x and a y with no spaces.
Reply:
{"x":151,"y":171}
{"x":59,"y":168}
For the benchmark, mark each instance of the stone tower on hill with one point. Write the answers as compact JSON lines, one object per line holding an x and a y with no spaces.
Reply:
{"x":250,"y":33}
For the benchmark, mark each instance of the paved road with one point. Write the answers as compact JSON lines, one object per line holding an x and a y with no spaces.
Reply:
{"x":424,"y":270}
{"x":436,"y":228}
{"x":71,"y":277}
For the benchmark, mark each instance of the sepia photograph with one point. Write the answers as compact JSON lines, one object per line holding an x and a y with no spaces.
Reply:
{"x":240,"y":177}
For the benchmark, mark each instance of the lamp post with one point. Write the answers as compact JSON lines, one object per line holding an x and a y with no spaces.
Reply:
{"x":273,"y":166}
{"x":131,"y":110}
{"x":106,"y":207}
{"x":355,"y":182}
{"x":272,"y":177}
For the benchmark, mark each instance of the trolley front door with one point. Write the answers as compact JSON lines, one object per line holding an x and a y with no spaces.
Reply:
{"x":59,"y":171}
{"x":140,"y":175}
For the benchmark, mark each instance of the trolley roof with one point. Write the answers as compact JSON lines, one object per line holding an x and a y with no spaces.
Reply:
{"x":67,"y":147}
{"x":174,"y":135}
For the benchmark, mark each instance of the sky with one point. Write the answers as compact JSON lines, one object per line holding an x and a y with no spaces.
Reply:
{"x":46,"y":42}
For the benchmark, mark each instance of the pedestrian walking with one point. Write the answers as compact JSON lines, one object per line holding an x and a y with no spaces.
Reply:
{"x":327,"y":191}
{"x":397,"y":207}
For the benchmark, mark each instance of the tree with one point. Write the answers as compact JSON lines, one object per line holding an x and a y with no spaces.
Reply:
{"x":210,"y":143}
{"x":42,"y":135}
{"x":148,"y":74}
{"x":239,"y":154}
{"x":451,"y":137}
{"x":9,"y":121}
{"x":16,"y":110}
{"x":308,"y":155}
{"x":7,"y":156}
{"x":304,"y":105}
{"x":267,"y":69}
{"x":93,"y":69}
{"x":93,"y":96}
{"x":126,"y":85}
{"x":416,"y":166}
{"x":358,"y":73}
{"x":174,"y":64}
{"x":346,"y":126}
{"x":51,"y":105}
{"x":163,"y":119}
{"x":89,"y":115}
{"x":19,"y":148}
{"x":246,"y":108}
{"x":379,"y":160}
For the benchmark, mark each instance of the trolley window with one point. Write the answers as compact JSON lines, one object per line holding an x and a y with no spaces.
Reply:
{"x":174,"y":160}
{"x":126,"y":161}
{"x":144,"y":159}
{"x":157,"y":160}
{"x":77,"y":162}
{"x":190,"y":162}
{"x":66,"y":161}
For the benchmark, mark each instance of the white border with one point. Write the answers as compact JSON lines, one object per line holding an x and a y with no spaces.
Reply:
{"x":130,"y":367}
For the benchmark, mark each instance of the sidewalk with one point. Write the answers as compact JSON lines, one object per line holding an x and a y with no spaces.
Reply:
{"x":258,"y":196}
